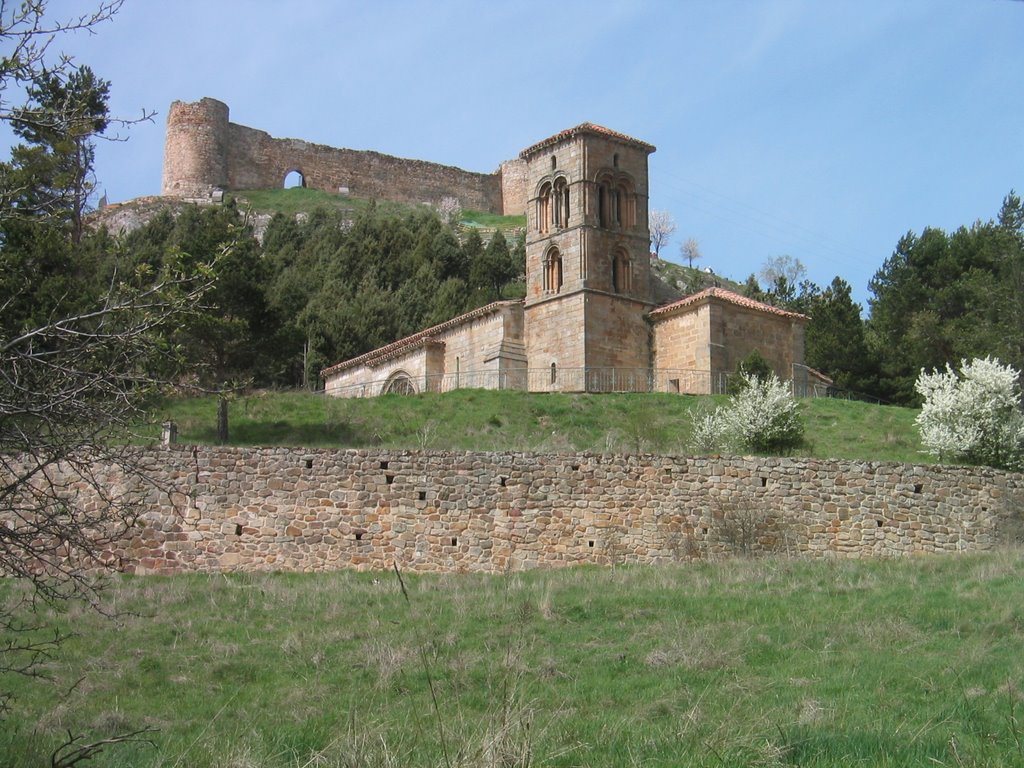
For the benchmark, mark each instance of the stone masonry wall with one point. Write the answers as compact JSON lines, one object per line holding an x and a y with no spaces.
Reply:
{"x":215,"y":509}
{"x":203,"y":151}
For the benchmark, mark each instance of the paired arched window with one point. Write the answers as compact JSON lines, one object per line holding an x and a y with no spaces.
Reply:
{"x":552,"y":271}
{"x":553,"y":205}
{"x":616,"y":203}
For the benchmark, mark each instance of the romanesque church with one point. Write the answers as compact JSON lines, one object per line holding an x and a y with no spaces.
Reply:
{"x":593,"y":319}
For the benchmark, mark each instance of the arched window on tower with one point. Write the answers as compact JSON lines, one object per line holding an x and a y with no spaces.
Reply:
{"x":602,"y":204}
{"x":616,"y":203}
{"x":544,"y":209}
{"x":561,"y":203}
{"x":622,"y":275}
{"x":614,"y":208}
{"x":552,"y":271}
{"x":627,"y":206}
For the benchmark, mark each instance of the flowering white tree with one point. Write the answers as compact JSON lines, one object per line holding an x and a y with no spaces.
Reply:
{"x":974,"y":416}
{"x":450,"y":210}
{"x":764,"y":416}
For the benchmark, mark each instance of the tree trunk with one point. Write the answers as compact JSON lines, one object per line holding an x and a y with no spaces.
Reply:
{"x":222,"y":421}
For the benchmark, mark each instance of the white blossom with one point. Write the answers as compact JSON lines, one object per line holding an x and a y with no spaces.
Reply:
{"x":974,"y":416}
{"x":764,"y":416}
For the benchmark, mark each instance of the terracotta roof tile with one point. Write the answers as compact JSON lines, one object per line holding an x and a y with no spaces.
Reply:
{"x":600,"y":130}
{"x":725,"y":295}
{"x":395,"y":348}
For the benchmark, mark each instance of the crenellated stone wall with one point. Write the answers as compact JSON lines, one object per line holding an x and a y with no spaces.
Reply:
{"x":213,"y":509}
{"x":204,"y":151}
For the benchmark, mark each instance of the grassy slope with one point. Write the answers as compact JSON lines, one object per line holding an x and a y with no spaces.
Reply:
{"x":490,"y":420}
{"x":302,"y":200}
{"x":740,"y":663}
{"x":689,"y":280}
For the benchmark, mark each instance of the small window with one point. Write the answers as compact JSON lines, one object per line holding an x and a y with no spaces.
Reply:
{"x":615,"y":160}
{"x":552,"y":282}
{"x":544,"y":213}
{"x":560,"y":202}
{"x":554,"y":162}
{"x":621,"y":272}
{"x":554,"y":373}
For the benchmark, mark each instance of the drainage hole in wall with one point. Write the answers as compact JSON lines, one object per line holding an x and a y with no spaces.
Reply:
{"x":879,"y":523}
{"x":238,"y":530}
{"x":590,"y":544}
{"x":455,"y":541}
{"x":309,"y":463}
{"x":423,"y":495}
{"x":389,"y":479}
{"x":704,"y":531}
{"x":575,"y":467}
{"x":383,"y":465}
{"x":918,"y":487}
{"x":359,"y":535}
{"x":504,"y":481}
{"x":764,"y":482}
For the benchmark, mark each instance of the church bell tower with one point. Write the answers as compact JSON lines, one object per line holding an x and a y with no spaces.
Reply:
{"x":587,"y":261}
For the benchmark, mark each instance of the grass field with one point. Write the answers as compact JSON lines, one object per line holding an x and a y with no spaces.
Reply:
{"x":740,"y":663}
{"x":504,"y":420}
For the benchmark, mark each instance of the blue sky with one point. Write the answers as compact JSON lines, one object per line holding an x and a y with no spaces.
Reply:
{"x":819,"y":129}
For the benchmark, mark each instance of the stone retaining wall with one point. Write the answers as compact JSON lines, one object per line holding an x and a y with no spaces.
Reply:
{"x":215,"y":509}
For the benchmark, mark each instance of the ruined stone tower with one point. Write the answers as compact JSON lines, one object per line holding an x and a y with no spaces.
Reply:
{"x":196,"y":149}
{"x":587,"y":258}
{"x":204,"y":151}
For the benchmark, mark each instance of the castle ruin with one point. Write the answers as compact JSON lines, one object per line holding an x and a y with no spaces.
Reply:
{"x":204,"y":152}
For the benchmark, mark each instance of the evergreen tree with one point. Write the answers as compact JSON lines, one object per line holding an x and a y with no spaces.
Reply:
{"x":940,"y":298}
{"x":834,"y":341}
{"x":51,"y":175}
{"x":493,"y":268}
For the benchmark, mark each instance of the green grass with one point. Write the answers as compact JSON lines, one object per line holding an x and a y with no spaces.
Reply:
{"x":497,"y":420}
{"x":741,"y":663}
{"x":303,"y":200}
{"x":689,"y":279}
{"x":482,"y":219}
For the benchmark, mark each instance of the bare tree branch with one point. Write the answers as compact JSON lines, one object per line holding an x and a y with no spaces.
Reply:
{"x":72,"y":752}
{"x":662,"y":227}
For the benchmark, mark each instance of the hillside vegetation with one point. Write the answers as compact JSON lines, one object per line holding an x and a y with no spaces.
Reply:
{"x":739,"y":663}
{"x":473,"y":419}
{"x":303,"y":200}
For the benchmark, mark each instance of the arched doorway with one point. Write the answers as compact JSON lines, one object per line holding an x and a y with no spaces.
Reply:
{"x":399,"y":383}
{"x":294,"y":178}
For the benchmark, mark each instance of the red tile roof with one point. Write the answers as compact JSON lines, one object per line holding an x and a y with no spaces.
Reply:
{"x":586,"y":128}
{"x":724,"y":295}
{"x":421,"y":338}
